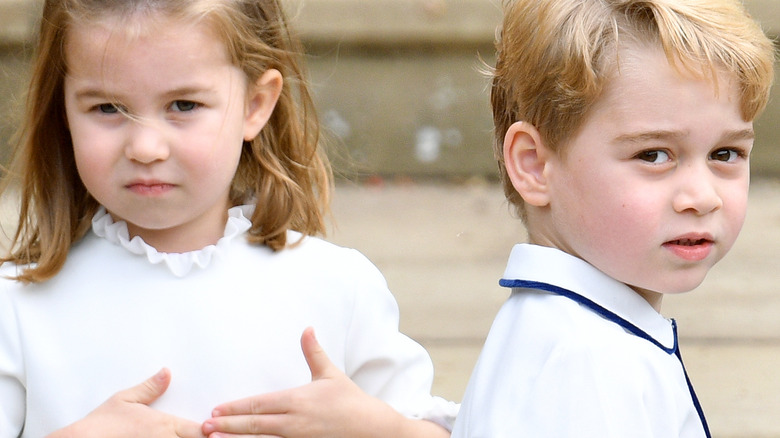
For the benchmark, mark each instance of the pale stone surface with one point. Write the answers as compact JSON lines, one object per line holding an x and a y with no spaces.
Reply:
{"x":372,"y":21}
{"x":17,"y":20}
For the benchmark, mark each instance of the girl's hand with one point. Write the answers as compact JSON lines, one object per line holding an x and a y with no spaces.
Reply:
{"x":330,"y":406}
{"x":127,"y":415}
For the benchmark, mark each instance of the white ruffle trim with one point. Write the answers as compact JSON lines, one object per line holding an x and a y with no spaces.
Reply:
{"x":179,"y":263}
{"x":440,"y":411}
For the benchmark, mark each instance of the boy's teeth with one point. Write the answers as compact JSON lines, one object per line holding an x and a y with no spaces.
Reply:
{"x":688,"y":242}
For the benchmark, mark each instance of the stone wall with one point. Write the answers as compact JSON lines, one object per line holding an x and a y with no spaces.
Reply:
{"x":397,"y":83}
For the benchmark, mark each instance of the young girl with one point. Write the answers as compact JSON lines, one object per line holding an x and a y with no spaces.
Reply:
{"x":169,"y":183}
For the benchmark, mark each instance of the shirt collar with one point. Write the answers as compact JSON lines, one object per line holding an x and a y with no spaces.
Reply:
{"x":538,"y":266}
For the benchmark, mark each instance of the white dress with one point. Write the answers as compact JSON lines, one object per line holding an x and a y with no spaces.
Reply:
{"x":226,"y":320}
{"x":575,"y":353}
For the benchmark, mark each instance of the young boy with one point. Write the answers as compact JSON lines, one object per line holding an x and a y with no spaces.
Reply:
{"x":623,"y":131}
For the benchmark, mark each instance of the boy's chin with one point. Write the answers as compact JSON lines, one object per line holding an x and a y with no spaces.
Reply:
{"x":669,"y":288}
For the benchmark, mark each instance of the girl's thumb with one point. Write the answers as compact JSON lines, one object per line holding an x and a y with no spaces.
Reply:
{"x":318,"y":360}
{"x":149,"y":390}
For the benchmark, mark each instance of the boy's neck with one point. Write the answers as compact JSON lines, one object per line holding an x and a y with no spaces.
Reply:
{"x":653,"y":298}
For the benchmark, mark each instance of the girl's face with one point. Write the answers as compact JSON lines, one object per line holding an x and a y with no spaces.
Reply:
{"x":158,"y":121}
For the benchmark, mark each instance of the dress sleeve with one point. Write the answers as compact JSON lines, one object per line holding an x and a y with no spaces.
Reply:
{"x":386,"y":363}
{"x":12,"y":391}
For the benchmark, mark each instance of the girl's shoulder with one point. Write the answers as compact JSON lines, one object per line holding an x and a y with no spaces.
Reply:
{"x":8,"y":273}
{"x":317,"y":255}
{"x":327,"y":252}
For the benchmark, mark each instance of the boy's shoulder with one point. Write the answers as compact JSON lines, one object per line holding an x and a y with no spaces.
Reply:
{"x":551,"y":287}
{"x":538,"y":316}
{"x":539,"y":336}
{"x":551,"y":366}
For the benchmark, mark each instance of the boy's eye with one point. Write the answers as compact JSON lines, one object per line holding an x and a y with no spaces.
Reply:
{"x":725,"y":155}
{"x":653,"y":156}
{"x":183,"y":105}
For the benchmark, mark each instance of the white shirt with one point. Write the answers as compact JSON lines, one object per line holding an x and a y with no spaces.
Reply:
{"x":226,"y":320}
{"x":575,"y":353}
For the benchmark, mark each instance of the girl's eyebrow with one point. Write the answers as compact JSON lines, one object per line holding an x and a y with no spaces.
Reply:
{"x":95,"y":93}
{"x":189,"y":91}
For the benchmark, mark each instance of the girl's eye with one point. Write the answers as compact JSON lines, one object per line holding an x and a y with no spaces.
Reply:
{"x":108,"y":108}
{"x":725,"y":155}
{"x":653,"y":156}
{"x":183,"y":105}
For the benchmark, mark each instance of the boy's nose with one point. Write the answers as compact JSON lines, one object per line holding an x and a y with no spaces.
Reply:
{"x":697,"y":191}
{"x":146,"y":143}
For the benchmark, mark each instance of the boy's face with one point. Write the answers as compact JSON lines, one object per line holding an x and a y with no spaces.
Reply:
{"x":653,"y":189}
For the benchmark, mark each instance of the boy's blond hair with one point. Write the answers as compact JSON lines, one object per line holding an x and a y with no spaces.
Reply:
{"x":554,"y":58}
{"x":283,"y":170}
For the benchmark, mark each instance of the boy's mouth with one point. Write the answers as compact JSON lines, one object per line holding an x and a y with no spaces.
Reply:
{"x":688,"y":242}
{"x":691,"y":247}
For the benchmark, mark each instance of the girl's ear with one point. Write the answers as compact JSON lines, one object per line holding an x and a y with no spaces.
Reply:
{"x":525,"y":158}
{"x":261,"y":102}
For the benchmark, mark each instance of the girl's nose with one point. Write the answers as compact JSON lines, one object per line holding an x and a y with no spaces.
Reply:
{"x":697,"y":191}
{"x":146,"y":143}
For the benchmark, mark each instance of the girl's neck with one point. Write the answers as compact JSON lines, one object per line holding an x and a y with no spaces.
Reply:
{"x":186,"y":237}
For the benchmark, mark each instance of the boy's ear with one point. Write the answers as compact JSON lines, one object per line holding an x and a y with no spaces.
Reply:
{"x":261,"y":101}
{"x":525,"y":158}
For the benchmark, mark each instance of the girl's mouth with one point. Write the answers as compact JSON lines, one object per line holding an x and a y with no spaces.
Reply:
{"x":150,"y":188}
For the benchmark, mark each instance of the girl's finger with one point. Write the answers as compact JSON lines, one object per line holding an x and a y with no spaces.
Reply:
{"x":265,"y":404}
{"x":247,"y":425}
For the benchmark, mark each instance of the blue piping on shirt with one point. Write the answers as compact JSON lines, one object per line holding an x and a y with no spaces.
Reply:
{"x":612,"y":316}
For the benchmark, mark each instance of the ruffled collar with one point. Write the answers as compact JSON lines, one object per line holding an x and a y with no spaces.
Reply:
{"x":179,"y":263}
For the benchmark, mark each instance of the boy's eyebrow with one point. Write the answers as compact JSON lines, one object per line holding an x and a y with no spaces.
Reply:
{"x":640,"y":137}
{"x":742,"y":134}
{"x":643,"y":136}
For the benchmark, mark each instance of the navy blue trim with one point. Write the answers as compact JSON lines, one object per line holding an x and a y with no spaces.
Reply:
{"x":612,"y":316}
{"x":695,"y":399}
{"x":608,"y":314}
